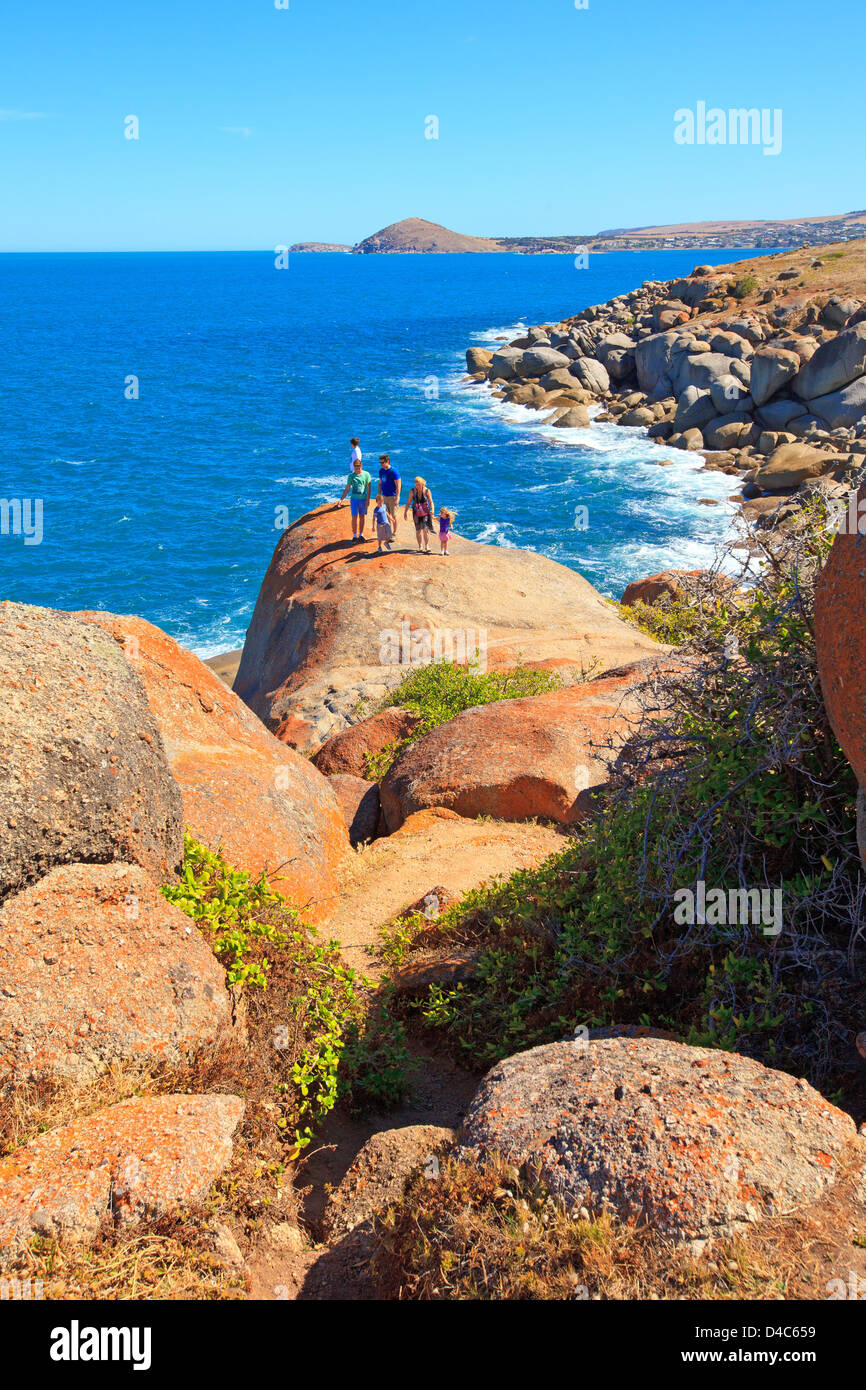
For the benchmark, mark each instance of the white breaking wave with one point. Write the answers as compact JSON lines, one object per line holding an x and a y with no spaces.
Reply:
{"x":495,"y":335}
{"x":658,"y":494}
{"x":316,"y":480}
{"x":493,"y":533}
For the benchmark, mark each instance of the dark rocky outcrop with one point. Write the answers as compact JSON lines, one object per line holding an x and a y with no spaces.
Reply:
{"x":85,"y":775}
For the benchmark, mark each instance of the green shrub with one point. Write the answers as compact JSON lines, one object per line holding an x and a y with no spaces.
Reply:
{"x":441,"y":690}
{"x":667,"y":620}
{"x":738,"y":782}
{"x":309,"y":1023}
{"x":235,"y":910}
{"x":744,"y":286}
{"x":377,"y":1064}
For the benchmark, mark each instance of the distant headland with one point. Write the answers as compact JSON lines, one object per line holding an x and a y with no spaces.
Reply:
{"x":414,"y":236}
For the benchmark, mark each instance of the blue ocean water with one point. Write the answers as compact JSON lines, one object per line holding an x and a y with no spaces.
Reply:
{"x":250,"y":381}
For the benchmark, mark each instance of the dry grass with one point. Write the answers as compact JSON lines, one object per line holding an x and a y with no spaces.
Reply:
{"x":167,"y":1260}
{"x":488,"y":1233}
{"x":174,"y":1258}
{"x":843,"y":271}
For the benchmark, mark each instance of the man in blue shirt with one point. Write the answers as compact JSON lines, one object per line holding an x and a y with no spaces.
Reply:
{"x":389,"y":486}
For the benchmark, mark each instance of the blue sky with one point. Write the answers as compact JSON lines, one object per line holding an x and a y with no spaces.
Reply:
{"x":262,"y":126}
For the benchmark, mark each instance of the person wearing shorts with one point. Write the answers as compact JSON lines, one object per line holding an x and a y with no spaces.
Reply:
{"x":358,"y":490}
{"x":390,"y":484}
{"x":420,"y":499}
{"x":384,"y":529}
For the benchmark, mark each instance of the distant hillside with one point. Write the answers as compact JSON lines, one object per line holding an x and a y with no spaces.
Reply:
{"x":415,"y":236}
{"x":318,"y":246}
{"x":765,"y":234}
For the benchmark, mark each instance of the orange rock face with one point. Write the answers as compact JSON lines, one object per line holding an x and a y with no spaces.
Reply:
{"x":242,"y":790}
{"x":142,"y":1157}
{"x":516,"y":759}
{"x":347,"y":752}
{"x":695,"y":1142}
{"x":100,"y":969}
{"x":840,"y":637}
{"x":650,"y":589}
{"x":335,"y":622}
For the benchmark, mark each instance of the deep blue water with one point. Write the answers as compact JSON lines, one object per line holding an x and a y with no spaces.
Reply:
{"x":251,"y":381}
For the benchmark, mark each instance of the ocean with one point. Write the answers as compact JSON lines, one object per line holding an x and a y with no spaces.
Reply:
{"x":164,"y":408}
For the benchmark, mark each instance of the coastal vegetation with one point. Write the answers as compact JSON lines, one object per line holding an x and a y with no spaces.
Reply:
{"x":737,"y":779}
{"x":318,"y":1038}
{"x":438,"y":692}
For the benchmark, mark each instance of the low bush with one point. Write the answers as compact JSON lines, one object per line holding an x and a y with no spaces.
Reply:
{"x":743,"y":287}
{"x":486,"y":1232}
{"x":441,"y":690}
{"x":736,"y":781}
{"x":313,"y":1038}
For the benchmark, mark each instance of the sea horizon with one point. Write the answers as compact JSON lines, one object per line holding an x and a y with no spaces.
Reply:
{"x":165,"y":405}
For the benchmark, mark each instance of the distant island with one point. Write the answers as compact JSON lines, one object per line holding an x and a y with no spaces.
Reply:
{"x":414,"y":236}
{"x":318,"y":246}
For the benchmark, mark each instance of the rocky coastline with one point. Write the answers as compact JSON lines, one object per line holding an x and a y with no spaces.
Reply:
{"x":222,"y":907}
{"x":758,"y":366}
{"x":151,"y":1100}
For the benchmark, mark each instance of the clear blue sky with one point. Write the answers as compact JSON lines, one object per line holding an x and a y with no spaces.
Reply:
{"x":261,"y":126}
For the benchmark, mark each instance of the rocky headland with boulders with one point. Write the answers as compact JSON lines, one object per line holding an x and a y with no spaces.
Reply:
{"x":146,"y":1080}
{"x":758,"y":366}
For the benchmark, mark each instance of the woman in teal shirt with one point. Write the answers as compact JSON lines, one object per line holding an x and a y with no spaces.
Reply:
{"x":358,"y":490}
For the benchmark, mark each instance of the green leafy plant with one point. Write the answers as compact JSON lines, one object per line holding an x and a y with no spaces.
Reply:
{"x":439,"y":691}
{"x":734,"y":778}
{"x":308,"y":1010}
{"x":232,"y":907}
{"x":377,"y":1064}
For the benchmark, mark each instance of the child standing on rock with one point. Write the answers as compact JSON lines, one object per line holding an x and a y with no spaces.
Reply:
{"x":446,"y":519}
{"x":384,"y":531}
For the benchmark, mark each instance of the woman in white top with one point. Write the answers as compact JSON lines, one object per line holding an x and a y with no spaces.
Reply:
{"x":356,"y":451}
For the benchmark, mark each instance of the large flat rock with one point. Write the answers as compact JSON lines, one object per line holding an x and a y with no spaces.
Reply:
{"x":332,"y":619}
{"x":143,"y":1157}
{"x":100,"y":969}
{"x":517,"y":759}
{"x":693,"y":1141}
{"x":243,"y":790}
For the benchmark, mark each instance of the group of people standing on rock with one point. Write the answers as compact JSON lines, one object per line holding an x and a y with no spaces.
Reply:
{"x":358,"y":490}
